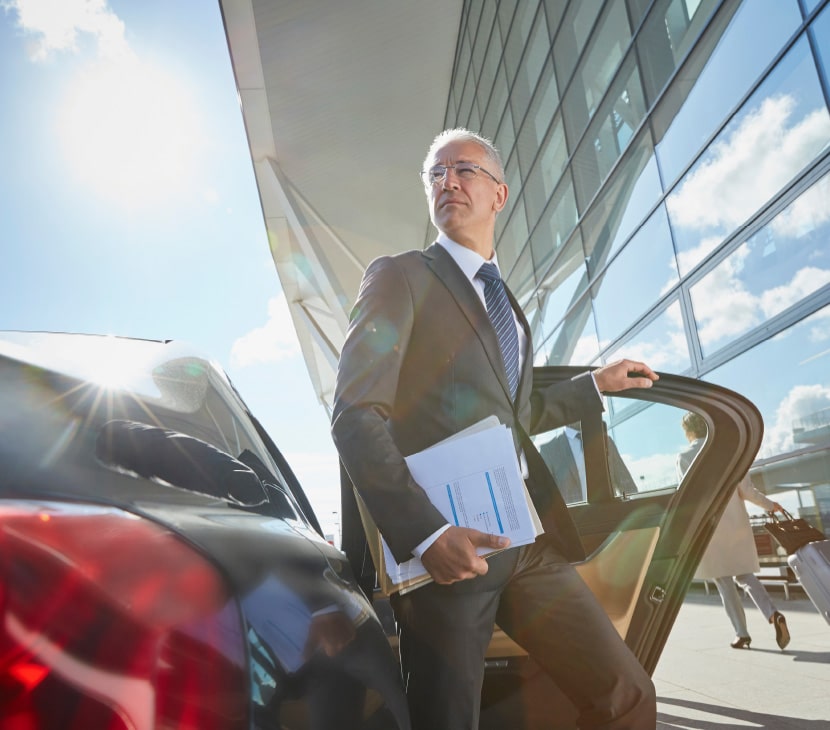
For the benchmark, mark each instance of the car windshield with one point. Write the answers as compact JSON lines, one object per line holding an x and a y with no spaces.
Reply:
{"x":167,"y":385}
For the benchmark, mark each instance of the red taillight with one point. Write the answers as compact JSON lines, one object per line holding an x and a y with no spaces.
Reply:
{"x":108,"y":621}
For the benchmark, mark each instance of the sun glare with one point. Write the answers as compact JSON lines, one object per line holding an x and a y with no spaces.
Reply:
{"x":131,"y":133}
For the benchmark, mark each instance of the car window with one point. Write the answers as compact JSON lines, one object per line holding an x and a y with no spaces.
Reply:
{"x":643,"y":445}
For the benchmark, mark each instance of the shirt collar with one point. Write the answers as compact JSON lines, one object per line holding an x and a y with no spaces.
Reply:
{"x":468,"y":260}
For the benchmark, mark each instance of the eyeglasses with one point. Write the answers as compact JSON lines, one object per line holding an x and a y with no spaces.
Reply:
{"x":464,"y":170}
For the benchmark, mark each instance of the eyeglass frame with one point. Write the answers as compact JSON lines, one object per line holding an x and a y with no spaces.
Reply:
{"x":476,"y":167}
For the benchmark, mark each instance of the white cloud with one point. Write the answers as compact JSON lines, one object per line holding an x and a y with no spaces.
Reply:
{"x":56,"y":24}
{"x":728,"y":187}
{"x":276,"y":340}
{"x":585,"y":351}
{"x":808,"y":213}
{"x":663,"y":355}
{"x":656,"y":471}
{"x":724,"y":308}
{"x":800,"y":403}
{"x":820,"y":326}
{"x":806,"y":280}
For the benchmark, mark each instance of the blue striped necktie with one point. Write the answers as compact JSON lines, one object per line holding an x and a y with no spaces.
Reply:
{"x":501,"y":315}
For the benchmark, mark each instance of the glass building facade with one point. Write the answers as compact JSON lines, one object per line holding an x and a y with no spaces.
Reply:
{"x":669,"y":172}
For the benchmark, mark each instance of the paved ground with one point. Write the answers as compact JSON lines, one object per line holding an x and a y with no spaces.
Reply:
{"x":704,"y":684}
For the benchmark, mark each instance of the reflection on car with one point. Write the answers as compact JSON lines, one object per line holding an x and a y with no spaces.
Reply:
{"x":160,"y":566}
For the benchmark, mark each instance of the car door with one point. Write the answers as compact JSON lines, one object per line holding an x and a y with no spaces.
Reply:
{"x":644,"y":525}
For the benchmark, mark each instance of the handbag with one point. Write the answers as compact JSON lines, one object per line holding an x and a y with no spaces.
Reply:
{"x":791,"y":533}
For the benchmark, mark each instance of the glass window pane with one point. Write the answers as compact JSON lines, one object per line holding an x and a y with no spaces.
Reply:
{"x":635,"y":465}
{"x":787,"y":118}
{"x":572,"y":35}
{"x":506,"y":136}
{"x":554,"y":9}
{"x":575,"y":342}
{"x":535,"y":126}
{"x":665,"y":38}
{"x":466,"y":102}
{"x":561,"y":288}
{"x":652,"y":462}
{"x":636,"y":8}
{"x":514,"y":236}
{"x":518,"y":37}
{"x":609,"y":133}
{"x":586,"y":350}
{"x":821,"y":31}
{"x":522,"y":277}
{"x":629,"y":286}
{"x":623,"y":203}
{"x":609,"y":43}
{"x":788,"y":378}
{"x":555,"y":226}
{"x":514,"y":182}
{"x":779,"y":266}
{"x":489,"y":70}
{"x":662,"y":343}
{"x":496,"y":105}
{"x":547,"y":173}
{"x":537,"y":48}
{"x":700,"y":98}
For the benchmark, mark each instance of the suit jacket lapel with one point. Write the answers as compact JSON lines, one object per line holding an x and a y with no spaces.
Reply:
{"x":471,"y":307}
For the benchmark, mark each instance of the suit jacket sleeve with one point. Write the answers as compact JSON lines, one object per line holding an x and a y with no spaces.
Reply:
{"x":365,"y":393}
{"x":563,"y":403}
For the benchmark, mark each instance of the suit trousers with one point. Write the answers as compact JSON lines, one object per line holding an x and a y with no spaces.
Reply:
{"x":539,"y":600}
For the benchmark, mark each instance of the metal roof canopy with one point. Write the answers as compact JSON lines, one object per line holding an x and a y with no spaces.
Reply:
{"x":340,"y":102}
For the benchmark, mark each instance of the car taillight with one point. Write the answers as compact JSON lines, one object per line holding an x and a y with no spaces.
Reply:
{"x":109,"y":621}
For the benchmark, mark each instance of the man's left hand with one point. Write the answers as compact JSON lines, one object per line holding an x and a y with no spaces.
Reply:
{"x":623,"y":375}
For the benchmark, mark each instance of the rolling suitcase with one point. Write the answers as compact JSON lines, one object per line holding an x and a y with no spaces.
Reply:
{"x":811,"y":565}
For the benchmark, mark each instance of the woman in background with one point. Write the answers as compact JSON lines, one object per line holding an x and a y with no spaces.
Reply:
{"x":731,"y":555}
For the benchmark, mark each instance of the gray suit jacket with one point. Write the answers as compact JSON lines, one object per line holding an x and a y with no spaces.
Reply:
{"x":560,"y":459}
{"x":421,"y":361}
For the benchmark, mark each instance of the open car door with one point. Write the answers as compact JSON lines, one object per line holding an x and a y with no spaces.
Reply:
{"x":645,"y":525}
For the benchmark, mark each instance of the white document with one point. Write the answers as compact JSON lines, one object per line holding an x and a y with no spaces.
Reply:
{"x":474,"y":480}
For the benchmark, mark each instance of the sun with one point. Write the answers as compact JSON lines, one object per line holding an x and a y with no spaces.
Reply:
{"x":131,"y":133}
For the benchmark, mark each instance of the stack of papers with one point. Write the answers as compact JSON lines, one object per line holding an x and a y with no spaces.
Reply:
{"x":474,"y":480}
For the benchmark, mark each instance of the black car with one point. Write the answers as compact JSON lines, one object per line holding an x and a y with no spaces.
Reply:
{"x":160,"y":566}
{"x":644,"y":526}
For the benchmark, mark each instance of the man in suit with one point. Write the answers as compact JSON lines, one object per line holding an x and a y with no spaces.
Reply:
{"x":565,"y":457}
{"x":422,"y":360}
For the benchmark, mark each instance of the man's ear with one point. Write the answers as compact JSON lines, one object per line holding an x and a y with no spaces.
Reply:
{"x":501,"y":197}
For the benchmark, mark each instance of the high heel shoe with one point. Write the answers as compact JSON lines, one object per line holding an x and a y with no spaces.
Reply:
{"x":782,"y":633}
{"x":741,"y":642}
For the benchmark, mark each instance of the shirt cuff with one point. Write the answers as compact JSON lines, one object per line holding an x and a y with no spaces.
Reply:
{"x":599,"y":394}
{"x":422,"y":547}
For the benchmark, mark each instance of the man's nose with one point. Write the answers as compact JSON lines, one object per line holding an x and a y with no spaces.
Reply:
{"x":450,"y":179}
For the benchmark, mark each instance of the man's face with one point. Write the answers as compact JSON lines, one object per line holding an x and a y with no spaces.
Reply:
{"x":465,"y":210}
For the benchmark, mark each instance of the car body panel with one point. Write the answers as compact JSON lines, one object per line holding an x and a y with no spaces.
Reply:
{"x":311,"y":647}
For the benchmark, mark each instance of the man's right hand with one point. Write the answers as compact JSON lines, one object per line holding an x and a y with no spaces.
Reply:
{"x":452,"y":557}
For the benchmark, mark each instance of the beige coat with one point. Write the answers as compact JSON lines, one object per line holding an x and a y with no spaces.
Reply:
{"x":732,"y":548}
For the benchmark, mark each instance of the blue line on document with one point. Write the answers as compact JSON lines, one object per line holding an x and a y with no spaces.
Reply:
{"x":452,"y":505}
{"x":493,"y":497}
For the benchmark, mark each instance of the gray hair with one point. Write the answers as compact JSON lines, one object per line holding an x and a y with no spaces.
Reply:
{"x":460,"y":134}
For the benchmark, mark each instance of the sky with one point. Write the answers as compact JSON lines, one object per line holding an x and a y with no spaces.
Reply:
{"x":129,"y":206}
